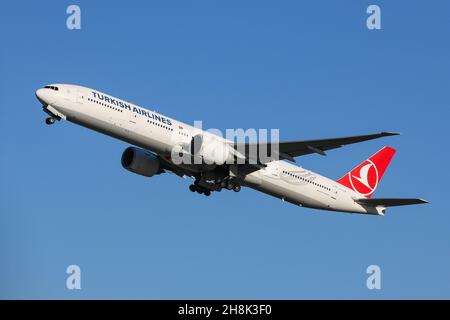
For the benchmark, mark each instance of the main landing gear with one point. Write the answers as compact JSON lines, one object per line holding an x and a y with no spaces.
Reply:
{"x":199,"y":189}
{"x":223,"y":184}
{"x":50,"y":120}
{"x":229,"y":185}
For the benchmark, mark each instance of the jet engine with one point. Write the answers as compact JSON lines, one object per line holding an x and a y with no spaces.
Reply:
{"x":141,"y":162}
{"x":211,"y":150}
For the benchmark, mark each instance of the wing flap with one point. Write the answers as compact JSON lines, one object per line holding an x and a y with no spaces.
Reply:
{"x":290,"y":149}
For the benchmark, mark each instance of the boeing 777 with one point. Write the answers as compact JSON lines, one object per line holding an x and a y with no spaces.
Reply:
{"x":216,"y":163}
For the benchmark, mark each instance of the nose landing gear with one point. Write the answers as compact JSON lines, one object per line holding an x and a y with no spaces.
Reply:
{"x":53,"y":114}
{"x":50,"y":120}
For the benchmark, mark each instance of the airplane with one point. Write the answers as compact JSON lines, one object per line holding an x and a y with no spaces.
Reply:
{"x":216,"y":163}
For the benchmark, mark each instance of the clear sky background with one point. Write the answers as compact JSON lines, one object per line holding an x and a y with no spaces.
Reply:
{"x":310,"y":68}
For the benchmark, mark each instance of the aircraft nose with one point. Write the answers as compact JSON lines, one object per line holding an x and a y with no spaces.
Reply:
{"x":41,"y":95}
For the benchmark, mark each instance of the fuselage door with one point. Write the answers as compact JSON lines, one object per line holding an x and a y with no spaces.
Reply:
{"x":79,"y":96}
{"x":334,"y":192}
{"x":132,"y":117}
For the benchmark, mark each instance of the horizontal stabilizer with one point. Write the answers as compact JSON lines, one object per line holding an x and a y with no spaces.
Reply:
{"x":390,"y":202}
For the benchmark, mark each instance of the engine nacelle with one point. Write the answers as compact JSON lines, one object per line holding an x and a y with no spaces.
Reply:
{"x":141,"y":162}
{"x":216,"y":152}
{"x":210,"y":150}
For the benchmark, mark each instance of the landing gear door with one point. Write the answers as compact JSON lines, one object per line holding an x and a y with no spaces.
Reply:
{"x":272,"y":170}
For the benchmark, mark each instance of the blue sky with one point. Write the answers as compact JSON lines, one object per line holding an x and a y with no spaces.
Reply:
{"x":310,"y":68}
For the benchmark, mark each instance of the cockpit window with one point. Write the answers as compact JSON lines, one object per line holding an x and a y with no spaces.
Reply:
{"x":52,"y":88}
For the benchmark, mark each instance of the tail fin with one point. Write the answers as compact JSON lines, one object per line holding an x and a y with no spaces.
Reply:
{"x":365,"y":177}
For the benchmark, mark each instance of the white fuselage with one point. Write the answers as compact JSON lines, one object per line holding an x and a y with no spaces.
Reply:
{"x":160,"y":134}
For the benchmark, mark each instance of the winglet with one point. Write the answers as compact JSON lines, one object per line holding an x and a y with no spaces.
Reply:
{"x":386,"y":134}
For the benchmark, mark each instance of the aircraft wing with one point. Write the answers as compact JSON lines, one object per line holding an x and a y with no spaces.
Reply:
{"x":390,"y":202}
{"x":167,"y":165}
{"x":291,"y":149}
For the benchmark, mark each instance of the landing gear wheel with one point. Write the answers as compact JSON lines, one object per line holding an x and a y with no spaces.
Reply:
{"x":207,"y":193}
{"x":229,"y":186}
{"x":193,"y":188}
{"x":50,"y":120}
{"x":236,"y":188}
{"x":200,"y":191}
